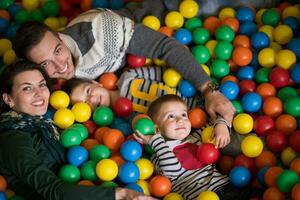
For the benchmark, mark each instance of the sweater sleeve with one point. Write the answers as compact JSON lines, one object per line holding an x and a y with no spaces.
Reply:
{"x":164,"y":159}
{"x":152,"y":44}
{"x":21,"y":159}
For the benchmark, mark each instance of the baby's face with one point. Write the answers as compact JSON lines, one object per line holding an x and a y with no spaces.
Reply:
{"x":92,"y":94}
{"x":173,"y":121}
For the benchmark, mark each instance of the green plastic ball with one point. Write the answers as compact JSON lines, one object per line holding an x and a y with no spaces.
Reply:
{"x":37,"y":15}
{"x":145,"y":126}
{"x":270,"y":17}
{"x":285,"y":92}
{"x":200,"y":35}
{"x":192,"y":23}
{"x":262,"y":75}
{"x":69,"y":174}
{"x":201,"y":53}
{"x":50,"y":8}
{"x":149,"y":149}
{"x":108,"y":184}
{"x":82,"y":130}
{"x":286,"y":180}
{"x":70,"y":137}
{"x":22,"y":17}
{"x":103,"y":116}
{"x":238,"y":106}
{"x":223,"y":50}
{"x":99,"y":152}
{"x":4,"y":4}
{"x":88,"y":171}
{"x":292,"y":106}
{"x":219,"y":68}
{"x":224,"y":33}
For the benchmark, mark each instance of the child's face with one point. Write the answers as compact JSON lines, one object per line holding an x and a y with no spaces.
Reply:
{"x":173,"y":121}
{"x":92,"y":93}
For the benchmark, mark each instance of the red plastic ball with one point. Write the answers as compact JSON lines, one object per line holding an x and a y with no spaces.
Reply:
{"x":225,"y":164}
{"x":65,"y":8}
{"x":135,"y":61}
{"x":122,"y":107}
{"x":91,"y":127}
{"x":245,"y":161}
{"x":295,"y":141}
{"x":279,"y":77}
{"x":277,"y":141}
{"x":263,"y":124}
{"x":246,"y":86}
{"x":207,"y":153}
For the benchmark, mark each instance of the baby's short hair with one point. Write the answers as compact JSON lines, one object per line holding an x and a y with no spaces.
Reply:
{"x":71,"y":84}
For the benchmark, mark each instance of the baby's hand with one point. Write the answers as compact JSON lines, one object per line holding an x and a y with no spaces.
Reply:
{"x":221,"y":135}
{"x":143,"y":139}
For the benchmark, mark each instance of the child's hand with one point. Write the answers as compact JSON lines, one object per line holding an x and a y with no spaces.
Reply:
{"x":221,"y":135}
{"x":143,"y":139}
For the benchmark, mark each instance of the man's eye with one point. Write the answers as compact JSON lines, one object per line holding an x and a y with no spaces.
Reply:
{"x":45,"y":64}
{"x":57,"y":52}
{"x":89,"y":91}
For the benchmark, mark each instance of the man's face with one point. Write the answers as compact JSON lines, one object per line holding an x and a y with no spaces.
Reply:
{"x":54,"y":56}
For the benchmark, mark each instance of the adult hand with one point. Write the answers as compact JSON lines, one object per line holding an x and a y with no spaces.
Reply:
{"x":127,"y":194}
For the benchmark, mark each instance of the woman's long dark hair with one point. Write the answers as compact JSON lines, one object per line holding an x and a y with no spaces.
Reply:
{"x":10,"y":72}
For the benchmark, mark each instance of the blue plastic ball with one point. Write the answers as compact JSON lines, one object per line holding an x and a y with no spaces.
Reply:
{"x":183,"y":36}
{"x":251,"y":102}
{"x":293,"y":23}
{"x":260,"y":40}
{"x":14,"y":9}
{"x":2,"y":196}
{"x":187,"y":89}
{"x":116,"y":121}
{"x":245,"y":14}
{"x":248,"y":28}
{"x":254,"y":62}
{"x":295,"y":73}
{"x":12,"y":30}
{"x":129,"y":173}
{"x":116,"y":4}
{"x":134,"y":186}
{"x":240,"y":176}
{"x":261,"y":175}
{"x":131,"y":150}
{"x":246,"y":73}
{"x":3,"y":25}
{"x":77,"y":155}
{"x":122,"y":125}
{"x":230,"y":90}
{"x":294,"y":45}
{"x":99,"y":4}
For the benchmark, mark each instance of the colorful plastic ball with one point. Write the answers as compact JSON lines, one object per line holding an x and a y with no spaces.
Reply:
{"x":266,"y":158}
{"x":294,"y":45}
{"x":128,"y":173}
{"x":286,"y":180}
{"x":285,"y":92}
{"x":260,"y":175}
{"x":152,"y":22}
{"x":183,"y":36}
{"x":208,"y":195}
{"x":279,"y":77}
{"x":63,"y":118}
{"x":285,"y":59}
{"x":135,"y":61}
{"x":246,"y":86}
{"x":99,"y":152}
{"x":266,"y":57}
{"x":223,"y":50}
{"x":283,"y":34}
{"x":13,"y":9}
{"x":252,"y":146}
{"x":270,"y":17}
{"x":286,"y":123}
{"x":146,"y":168}
{"x":3,"y":25}
{"x":131,"y":150}
{"x":108,"y":80}
{"x":200,"y":35}
{"x":116,"y":4}
{"x":187,"y":89}
{"x":246,"y":73}
{"x":188,"y":9}
{"x":173,"y":196}
{"x":88,"y":170}
{"x":51,"y":8}
{"x":107,"y":170}
{"x":245,"y":14}
{"x":224,"y":33}
{"x":134,"y":186}
{"x":159,"y":186}
{"x":207,"y":153}
{"x":103,"y":116}
{"x":245,"y":161}
{"x":3,"y":183}
{"x":197,"y":117}
{"x":70,"y":137}
{"x":287,"y":156}
{"x":82,"y":111}
{"x":5,"y":45}
{"x":69,"y":173}
{"x":263,"y":124}
{"x":109,"y":184}
{"x":77,"y":155}
{"x":100,"y":4}
{"x":243,"y":123}
{"x":219,"y":68}
{"x":59,"y":99}
{"x":277,"y":141}
{"x":260,"y":40}
{"x":201,"y":53}
{"x":238,"y":106}
{"x":122,"y":107}
{"x":247,"y":28}
{"x":294,"y":141}
{"x":113,"y":139}
{"x":144,"y":126}
{"x":211,"y":23}
{"x":166,"y":31}
{"x":206,"y":135}
{"x":295,"y":165}
{"x":271,"y":175}
{"x":171,"y":77}
{"x":174,"y":20}
{"x":192,"y":23}
{"x":273,"y":193}
{"x":30,"y":5}
{"x":272,"y":106}
{"x":266,"y":90}
{"x":296,"y":191}
{"x":6,"y":3}
{"x":37,"y":15}
{"x":292,"y":106}
{"x":232,"y":22}
{"x":240,"y":176}
{"x":292,"y":22}
{"x":242,"y":56}
{"x":226,"y":12}
{"x":144,"y":185}
{"x":2,"y":196}
{"x":251,"y":102}
{"x":230,"y":90}
{"x":295,"y":73}
{"x":225,"y":164}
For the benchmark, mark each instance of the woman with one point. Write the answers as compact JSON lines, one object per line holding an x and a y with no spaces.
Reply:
{"x":30,"y":153}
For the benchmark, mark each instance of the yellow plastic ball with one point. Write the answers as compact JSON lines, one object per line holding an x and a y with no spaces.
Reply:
{"x":9,"y":193}
{"x":243,"y":123}
{"x":288,"y":155}
{"x":174,"y":20}
{"x":211,"y":44}
{"x":206,"y":69}
{"x":82,"y":111}
{"x":291,"y":11}
{"x":258,"y":16}
{"x":52,"y":22}
{"x":267,"y":29}
{"x":9,"y":57}
{"x":63,"y":118}
{"x":252,"y":146}
{"x":206,"y":135}
{"x":285,"y":59}
{"x":5,"y":45}
{"x":62,"y":21}
{"x":144,"y":185}
{"x":275,"y":46}
{"x":146,"y":168}
{"x":59,"y":99}
{"x":226,"y":12}
{"x":171,"y":77}
{"x":152,"y":22}
{"x":266,"y":57}
{"x":173,"y":196}
{"x":160,"y":62}
{"x":30,"y":5}
{"x":283,"y":34}
{"x":148,"y":62}
{"x":188,"y":8}
{"x":208,"y":195}
{"x":107,"y":169}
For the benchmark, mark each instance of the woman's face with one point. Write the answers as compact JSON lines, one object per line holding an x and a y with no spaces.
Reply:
{"x":30,"y":93}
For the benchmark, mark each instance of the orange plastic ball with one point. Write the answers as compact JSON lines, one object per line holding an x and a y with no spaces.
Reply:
{"x":98,"y":134}
{"x":166,"y":30}
{"x":233,"y":66}
{"x":233,"y":23}
{"x":266,"y":158}
{"x":5,"y":14}
{"x":86,"y":5}
{"x":271,"y":175}
{"x":272,"y":106}
{"x":273,"y":193}
{"x":241,"y":40}
{"x":242,"y":56}
{"x":116,"y":156}
{"x":286,"y":123}
{"x":197,"y":117}
{"x":296,"y":192}
{"x":160,"y":186}
{"x":3,"y":183}
{"x":230,"y":78}
{"x":86,"y":183}
{"x":211,"y":24}
{"x":89,"y":143}
{"x":266,"y":90}
{"x":108,"y":80}
{"x":295,"y":165}
{"x":113,"y":139}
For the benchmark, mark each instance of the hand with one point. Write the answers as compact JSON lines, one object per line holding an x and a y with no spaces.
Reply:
{"x":221,"y":135}
{"x":216,"y":102}
{"x":143,"y":139}
{"x":127,"y":194}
